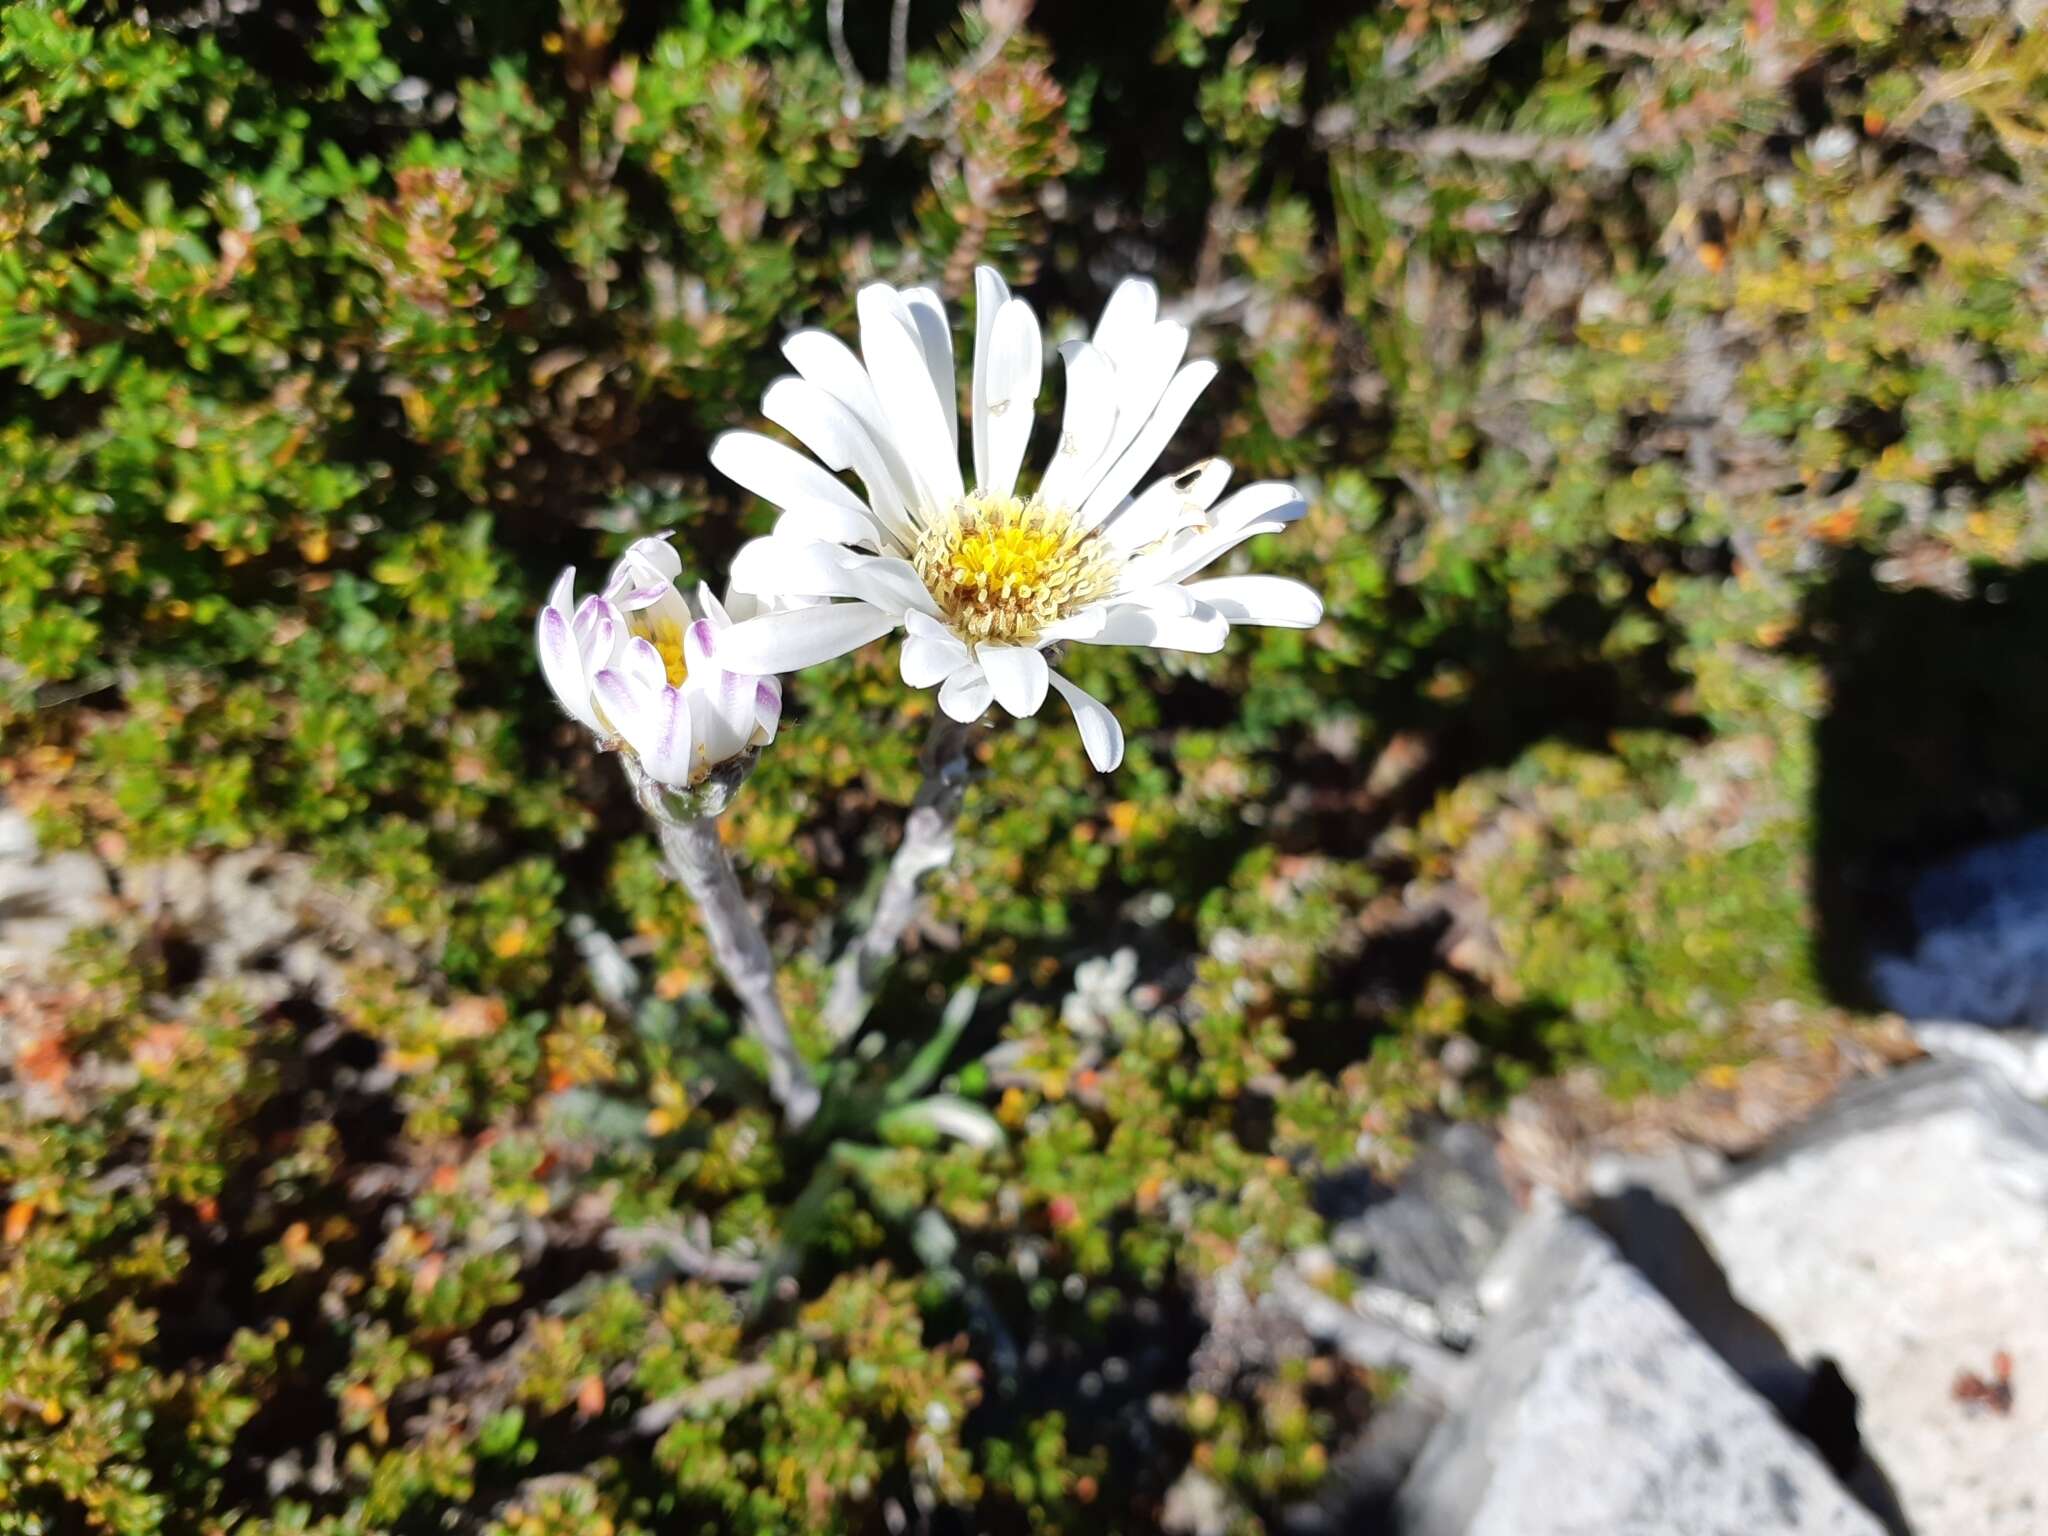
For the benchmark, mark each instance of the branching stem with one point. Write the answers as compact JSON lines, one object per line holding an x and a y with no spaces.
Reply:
{"x":927,"y":846}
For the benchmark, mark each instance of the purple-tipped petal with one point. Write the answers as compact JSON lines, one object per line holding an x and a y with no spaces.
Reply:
{"x":643,"y":665}
{"x":617,"y":702}
{"x":697,"y":641}
{"x":666,"y":754}
{"x":726,"y":724}
{"x":641,"y":597}
{"x":563,"y":593}
{"x":561,"y":665}
{"x":767,"y":709}
{"x":597,"y":629}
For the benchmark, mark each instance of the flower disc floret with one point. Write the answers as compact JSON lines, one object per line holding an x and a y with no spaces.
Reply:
{"x":1003,"y":570}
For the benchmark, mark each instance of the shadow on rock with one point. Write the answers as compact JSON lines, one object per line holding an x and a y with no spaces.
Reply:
{"x":1658,"y":1239}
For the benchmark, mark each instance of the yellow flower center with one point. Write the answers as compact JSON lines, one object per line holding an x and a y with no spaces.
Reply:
{"x":666,"y":636}
{"x":1002,"y":568}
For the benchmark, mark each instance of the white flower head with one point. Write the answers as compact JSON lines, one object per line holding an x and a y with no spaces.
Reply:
{"x":633,"y":664}
{"x":984,"y":579}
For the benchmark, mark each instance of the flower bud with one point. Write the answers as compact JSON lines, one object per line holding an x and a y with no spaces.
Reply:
{"x":634,"y":665}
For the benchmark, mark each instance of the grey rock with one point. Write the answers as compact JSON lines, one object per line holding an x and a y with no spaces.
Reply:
{"x":2020,"y":1056}
{"x":1429,"y":1239}
{"x":1812,"y":1398}
{"x":1903,"y":1235}
{"x":1679,"y":1173}
{"x":1431,"y":1370}
{"x":1595,"y":1411}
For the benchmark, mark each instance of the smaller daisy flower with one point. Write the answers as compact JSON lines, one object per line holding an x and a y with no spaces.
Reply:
{"x":991,"y":579}
{"x":633,"y":665}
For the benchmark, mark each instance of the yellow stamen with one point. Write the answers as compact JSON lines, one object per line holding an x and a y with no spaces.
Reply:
{"x":1002,"y":569}
{"x":666,"y":636}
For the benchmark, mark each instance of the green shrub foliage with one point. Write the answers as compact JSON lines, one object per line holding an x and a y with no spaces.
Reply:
{"x":1611,"y":357}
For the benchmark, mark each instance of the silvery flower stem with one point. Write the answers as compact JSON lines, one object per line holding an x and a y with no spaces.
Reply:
{"x":928,"y":837}
{"x":699,"y":860}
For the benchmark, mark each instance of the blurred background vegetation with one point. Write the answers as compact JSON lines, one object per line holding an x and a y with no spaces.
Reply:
{"x":1667,"y":383}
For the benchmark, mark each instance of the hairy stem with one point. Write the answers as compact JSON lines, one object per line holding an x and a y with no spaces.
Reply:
{"x":928,"y":834}
{"x":899,"y":46}
{"x":699,"y":860}
{"x":835,"y":29}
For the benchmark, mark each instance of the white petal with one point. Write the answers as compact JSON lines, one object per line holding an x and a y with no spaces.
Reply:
{"x":1266,"y":507}
{"x":931,"y":652}
{"x":1145,"y":448}
{"x":1166,"y":506}
{"x":1203,"y":631}
{"x":561,"y":663}
{"x":711,"y":607}
{"x":562,"y":595}
{"x":990,"y":294}
{"x":1083,"y":624}
{"x":1261,"y":501}
{"x":1261,"y":600}
{"x":620,"y":704}
{"x":642,"y":665}
{"x":894,"y":355}
{"x":928,"y":313}
{"x":1086,"y":427}
{"x":1144,"y":371}
{"x":1100,"y":734}
{"x":778,"y":566}
{"x":787,"y":567}
{"x":802,"y":637}
{"x":665,"y":748}
{"x":834,"y":367}
{"x":767,"y":709}
{"x":826,"y":361}
{"x":600,"y":631}
{"x":731,"y":712}
{"x":823,"y":424}
{"x":812,"y":521}
{"x":651,"y":562}
{"x":888,"y":583}
{"x":740,"y":606}
{"x":1016,"y":366}
{"x":1127,"y":318}
{"x":1017,"y":674}
{"x":778,"y":474}
{"x":965,"y":695}
{"x":697,"y":664}
{"x":591,"y":614}
{"x":1170,"y":599}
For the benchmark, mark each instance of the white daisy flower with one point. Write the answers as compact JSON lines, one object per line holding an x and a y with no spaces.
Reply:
{"x":633,"y":664}
{"x":984,"y":579}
